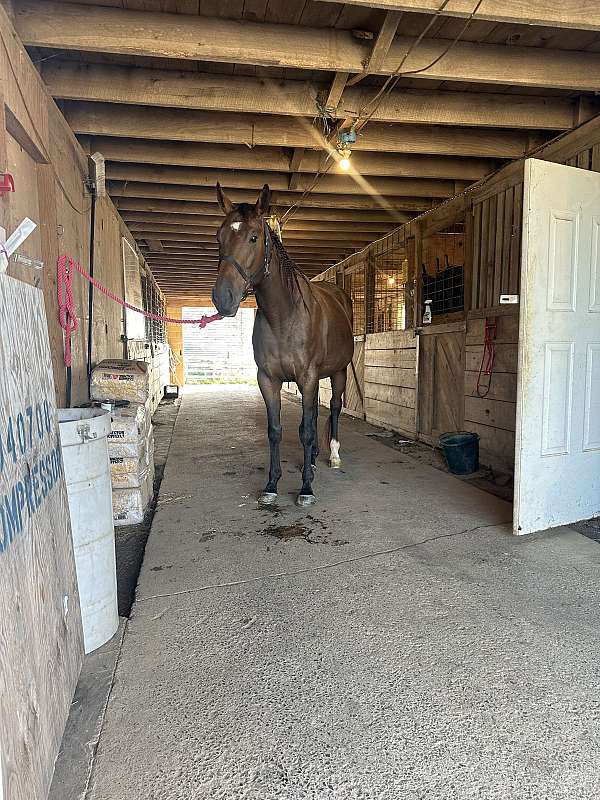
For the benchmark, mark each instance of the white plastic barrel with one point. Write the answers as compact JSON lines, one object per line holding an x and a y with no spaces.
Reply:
{"x":83,"y":433}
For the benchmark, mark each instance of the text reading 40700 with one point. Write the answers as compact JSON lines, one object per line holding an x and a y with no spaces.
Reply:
{"x":28,"y":443}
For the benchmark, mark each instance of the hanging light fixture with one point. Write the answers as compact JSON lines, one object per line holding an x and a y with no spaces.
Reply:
{"x":345,"y":139}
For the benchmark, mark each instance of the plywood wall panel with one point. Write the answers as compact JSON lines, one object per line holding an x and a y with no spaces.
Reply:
{"x":41,"y":640}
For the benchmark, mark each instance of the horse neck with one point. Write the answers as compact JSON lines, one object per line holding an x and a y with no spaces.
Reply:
{"x":274,"y":298}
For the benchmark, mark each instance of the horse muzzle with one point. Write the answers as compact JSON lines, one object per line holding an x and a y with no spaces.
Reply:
{"x":225,"y":300}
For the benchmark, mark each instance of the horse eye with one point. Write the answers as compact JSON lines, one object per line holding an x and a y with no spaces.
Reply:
{"x":253,"y":238}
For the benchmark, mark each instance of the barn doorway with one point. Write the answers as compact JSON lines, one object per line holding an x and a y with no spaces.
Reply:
{"x":221,"y":354}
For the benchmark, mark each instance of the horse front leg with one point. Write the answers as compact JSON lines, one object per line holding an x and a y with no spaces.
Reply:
{"x":271,"y":392}
{"x":308,"y":433}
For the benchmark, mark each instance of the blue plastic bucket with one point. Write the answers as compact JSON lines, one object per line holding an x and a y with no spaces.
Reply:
{"x":461,"y":450}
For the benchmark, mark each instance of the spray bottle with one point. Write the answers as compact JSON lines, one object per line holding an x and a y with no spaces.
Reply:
{"x":427,"y":313}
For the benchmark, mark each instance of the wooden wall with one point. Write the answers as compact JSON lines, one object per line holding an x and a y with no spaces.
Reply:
{"x":41,"y":641}
{"x":354,"y":394}
{"x":493,"y":416}
{"x":390,"y":380}
{"x":49,"y":168}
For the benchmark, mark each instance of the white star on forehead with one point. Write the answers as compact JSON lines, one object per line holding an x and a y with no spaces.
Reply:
{"x":235,"y":226}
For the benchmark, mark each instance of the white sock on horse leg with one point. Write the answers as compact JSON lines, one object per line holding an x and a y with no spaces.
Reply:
{"x":334,"y":456}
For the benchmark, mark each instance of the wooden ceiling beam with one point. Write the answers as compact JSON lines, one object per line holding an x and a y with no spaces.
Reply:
{"x":133,"y":218}
{"x":109,"y":119}
{"x":312,"y":245}
{"x":155,"y":245}
{"x":69,"y":80}
{"x":208,"y":234}
{"x":295,"y":164}
{"x":238,"y":179}
{"x":551,"y":13}
{"x":188,"y":154}
{"x":165,"y":191}
{"x":196,"y":251}
{"x":150,"y":205}
{"x":381,"y":46}
{"x":336,"y":90}
{"x":67,"y":26}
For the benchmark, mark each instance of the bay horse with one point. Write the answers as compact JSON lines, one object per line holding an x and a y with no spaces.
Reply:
{"x":302,"y":331}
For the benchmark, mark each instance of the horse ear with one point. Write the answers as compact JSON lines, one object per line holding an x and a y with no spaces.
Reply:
{"x":264,"y":201}
{"x":223,"y":200}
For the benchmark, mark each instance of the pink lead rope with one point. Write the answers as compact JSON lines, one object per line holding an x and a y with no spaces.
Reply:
{"x":67,"y":314}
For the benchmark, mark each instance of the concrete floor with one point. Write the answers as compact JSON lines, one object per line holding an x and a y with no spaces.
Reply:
{"x":393,"y":642}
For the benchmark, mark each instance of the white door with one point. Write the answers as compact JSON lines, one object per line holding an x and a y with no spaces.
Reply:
{"x":557,"y":469}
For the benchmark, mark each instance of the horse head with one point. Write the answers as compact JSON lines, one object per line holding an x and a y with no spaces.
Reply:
{"x":244,"y":251}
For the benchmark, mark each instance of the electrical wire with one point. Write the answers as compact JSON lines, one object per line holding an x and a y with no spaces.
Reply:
{"x":396,"y":72}
{"x":392,"y":81}
{"x":389,"y":85}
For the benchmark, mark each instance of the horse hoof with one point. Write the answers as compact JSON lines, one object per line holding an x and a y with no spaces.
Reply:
{"x":267,"y":498}
{"x":335,"y":463}
{"x":305,"y":500}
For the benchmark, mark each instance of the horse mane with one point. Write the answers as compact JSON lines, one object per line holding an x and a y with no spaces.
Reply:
{"x":291,"y":273}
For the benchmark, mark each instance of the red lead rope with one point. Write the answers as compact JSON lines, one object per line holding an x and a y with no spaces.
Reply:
{"x":66,"y":308}
{"x":67,"y":315}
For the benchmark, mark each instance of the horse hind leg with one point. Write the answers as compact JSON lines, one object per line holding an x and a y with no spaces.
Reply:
{"x":338,"y":386}
{"x":315,"y":447}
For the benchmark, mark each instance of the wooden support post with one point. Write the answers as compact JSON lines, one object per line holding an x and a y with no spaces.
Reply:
{"x":370,"y":294}
{"x":175,"y":339}
{"x":468,"y":251}
{"x":418,"y":256}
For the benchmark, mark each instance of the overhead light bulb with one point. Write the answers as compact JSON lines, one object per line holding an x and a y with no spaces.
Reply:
{"x":344,"y":160}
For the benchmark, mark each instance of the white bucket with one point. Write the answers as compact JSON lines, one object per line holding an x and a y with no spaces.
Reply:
{"x":83,"y":433}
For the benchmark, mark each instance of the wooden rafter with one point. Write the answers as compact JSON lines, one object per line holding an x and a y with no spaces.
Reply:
{"x":381,"y":46}
{"x":336,"y":90}
{"x":207,"y":210}
{"x":551,"y":13}
{"x":68,"y":26}
{"x":135,"y":151}
{"x":409,"y":187}
{"x":295,"y":164}
{"x":372,"y":228}
{"x":165,"y":191}
{"x":106,"y":119}
{"x":209,"y":92}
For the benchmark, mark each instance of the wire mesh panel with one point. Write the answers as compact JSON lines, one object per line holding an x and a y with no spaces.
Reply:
{"x":153,"y":301}
{"x":442,"y":271}
{"x":355,"y":285}
{"x":391,"y":291}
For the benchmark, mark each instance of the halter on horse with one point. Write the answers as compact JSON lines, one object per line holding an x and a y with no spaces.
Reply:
{"x":302,"y":331}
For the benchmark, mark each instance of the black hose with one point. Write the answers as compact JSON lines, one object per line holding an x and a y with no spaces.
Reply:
{"x":91,"y":292}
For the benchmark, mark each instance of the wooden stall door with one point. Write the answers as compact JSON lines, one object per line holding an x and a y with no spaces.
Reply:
{"x":441,"y":381}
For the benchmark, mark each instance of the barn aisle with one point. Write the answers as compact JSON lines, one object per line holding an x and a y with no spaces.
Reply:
{"x":273,"y":654}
